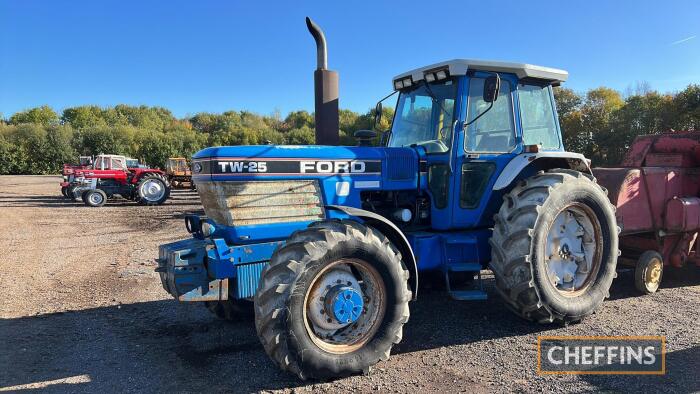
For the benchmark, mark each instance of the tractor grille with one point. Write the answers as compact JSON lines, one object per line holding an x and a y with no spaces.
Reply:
{"x":261,"y":202}
{"x":402,"y":166}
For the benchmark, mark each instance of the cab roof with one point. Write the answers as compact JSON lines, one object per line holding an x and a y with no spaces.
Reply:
{"x":461,"y":66}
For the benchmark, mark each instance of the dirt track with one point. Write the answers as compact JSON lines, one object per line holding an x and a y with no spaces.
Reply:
{"x":83,"y":310}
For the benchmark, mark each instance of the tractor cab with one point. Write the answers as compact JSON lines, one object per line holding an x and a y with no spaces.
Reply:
{"x":476,"y":125}
{"x":501,"y":108}
{"x":178,"y":172}
{"x":177,"y":166}
{"x":85,"y":161}
{"x":111,"y":162}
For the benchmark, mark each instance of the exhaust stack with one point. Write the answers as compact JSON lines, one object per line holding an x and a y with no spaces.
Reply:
{"x":325,"y":91}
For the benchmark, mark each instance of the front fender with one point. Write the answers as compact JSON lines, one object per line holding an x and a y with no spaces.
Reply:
{"x":395,"y":235}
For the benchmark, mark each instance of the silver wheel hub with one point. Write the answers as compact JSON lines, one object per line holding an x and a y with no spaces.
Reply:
{"x":332,"y":285}
{"x":571,"y":250}
{"x":95,"y":198}
{"x":152,"y":190}
{"x":344,"y":305}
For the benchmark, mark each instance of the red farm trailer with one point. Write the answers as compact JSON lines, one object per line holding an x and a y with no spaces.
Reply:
{"x":656,"y":191}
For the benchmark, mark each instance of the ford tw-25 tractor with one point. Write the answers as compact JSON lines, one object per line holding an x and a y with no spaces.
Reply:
{"x":328,"y":242}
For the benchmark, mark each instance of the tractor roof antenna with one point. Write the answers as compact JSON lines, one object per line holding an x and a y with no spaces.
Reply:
{"x":325,"y":91}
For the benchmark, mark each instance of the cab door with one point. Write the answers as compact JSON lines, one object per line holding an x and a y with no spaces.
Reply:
{"x":484,"y":147}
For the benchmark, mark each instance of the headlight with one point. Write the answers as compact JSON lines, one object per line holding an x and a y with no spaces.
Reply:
{"x":208,"y":229}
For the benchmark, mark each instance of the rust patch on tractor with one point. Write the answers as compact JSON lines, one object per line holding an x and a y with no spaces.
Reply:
{"x":245,"y":203}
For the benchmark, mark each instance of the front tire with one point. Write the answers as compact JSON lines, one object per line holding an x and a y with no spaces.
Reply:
{"x":333,"y":301}
{"x":555,"y":247}
{"x":94,"y":198}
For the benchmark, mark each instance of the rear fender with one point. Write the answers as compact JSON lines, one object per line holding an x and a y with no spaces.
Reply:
{"x":532,"y":162}
{"x":392,"y":232}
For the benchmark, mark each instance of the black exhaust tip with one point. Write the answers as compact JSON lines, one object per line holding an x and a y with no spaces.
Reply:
{"x":325,"y":91}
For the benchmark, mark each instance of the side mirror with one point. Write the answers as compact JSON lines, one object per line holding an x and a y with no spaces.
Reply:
{"x":377,"y":114}
{"x":492,"y":85}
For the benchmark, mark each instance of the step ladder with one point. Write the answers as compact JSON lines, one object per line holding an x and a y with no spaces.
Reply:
{"x":473,"y":294}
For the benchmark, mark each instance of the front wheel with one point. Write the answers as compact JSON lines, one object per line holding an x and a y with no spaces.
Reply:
{"x":94,"y":198}
{"x":333,"y":301}
{"x":555,"y":247}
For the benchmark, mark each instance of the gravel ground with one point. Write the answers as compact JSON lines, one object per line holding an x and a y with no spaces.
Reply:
{"x":83,"y":310}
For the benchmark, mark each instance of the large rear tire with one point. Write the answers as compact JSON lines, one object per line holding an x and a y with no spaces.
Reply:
{"x":333,"y":301}
{"x":555,"y":247}
{"x":152,"y":189}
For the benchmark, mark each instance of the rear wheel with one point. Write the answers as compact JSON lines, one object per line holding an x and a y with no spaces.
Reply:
{"x":94,"y":198}
{"x":648,"y":272}
{"x":152,"y":189}
{"x":333,"y":301}
{"x":555,"y":247}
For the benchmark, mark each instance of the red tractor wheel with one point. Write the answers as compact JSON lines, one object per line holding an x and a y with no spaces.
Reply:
{"x":95,"y":198}
{"x":152,"y":189}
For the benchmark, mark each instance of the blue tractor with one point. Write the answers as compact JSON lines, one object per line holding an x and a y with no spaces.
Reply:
{"x":326,"y":244}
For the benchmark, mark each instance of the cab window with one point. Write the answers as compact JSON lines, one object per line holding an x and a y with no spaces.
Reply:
{"x":118,"y":163}
{"x":101,"y":163}
{"x":424,"y":117}
{"x":494,"y":130}
{"x":537,"y":117}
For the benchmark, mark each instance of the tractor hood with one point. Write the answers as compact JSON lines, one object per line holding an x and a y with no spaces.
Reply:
{"x":244,"y":186}
{"x":369,"y":167}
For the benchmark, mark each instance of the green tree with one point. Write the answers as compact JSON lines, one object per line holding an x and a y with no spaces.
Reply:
{"x":298,"y":120}
{"x":301,"y":136}
{"x":84,"y":116}
{"x":43,"y":115}
{"x":686,"y":109}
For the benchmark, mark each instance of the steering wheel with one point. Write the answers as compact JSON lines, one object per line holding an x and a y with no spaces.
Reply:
{"x":434,"y":146}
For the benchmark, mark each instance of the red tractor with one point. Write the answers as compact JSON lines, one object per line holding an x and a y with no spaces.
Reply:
{"x":68,"y":172}
{"x":656,"y":191}
{"x":110,"y":176}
